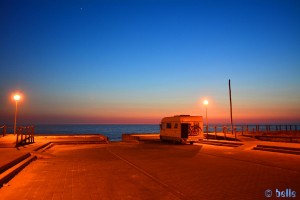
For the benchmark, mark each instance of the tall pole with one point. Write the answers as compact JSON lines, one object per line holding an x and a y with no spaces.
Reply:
{"x":206,"y":122}
{"x":15,"y":126}
{"x":205,"y":102}
{"x":17,"y":97}
{"x":231,"y":110}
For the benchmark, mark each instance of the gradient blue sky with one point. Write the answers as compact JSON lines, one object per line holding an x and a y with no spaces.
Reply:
{"x":139,"y":61}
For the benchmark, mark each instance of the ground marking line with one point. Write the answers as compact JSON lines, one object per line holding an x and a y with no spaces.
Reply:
{"x":164,"y":185}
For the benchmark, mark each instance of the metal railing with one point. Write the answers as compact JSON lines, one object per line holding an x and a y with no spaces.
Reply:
{"x":4,"y":129}
{"x":253,"y":130}
{"x":24,"y":134}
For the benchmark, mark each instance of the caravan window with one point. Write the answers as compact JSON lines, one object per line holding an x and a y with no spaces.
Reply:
{"x":176,"y":125}
{"x":169,"y":125}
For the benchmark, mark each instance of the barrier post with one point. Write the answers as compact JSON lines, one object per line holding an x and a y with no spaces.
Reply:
{"x":17,"y":142}
{"x":234,"y":130}
{"x":215,"y":131}
{"x":242,"y":129}
{"x":21,"y":132}
{"x":224,"y":131}
{"x":32,"y":128}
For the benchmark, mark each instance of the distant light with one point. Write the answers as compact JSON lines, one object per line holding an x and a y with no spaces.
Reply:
{"x":17,"y":97}
{"x":205,"y":102}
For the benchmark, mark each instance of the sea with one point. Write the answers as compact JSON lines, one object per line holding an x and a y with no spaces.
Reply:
{"x":112,"y":131}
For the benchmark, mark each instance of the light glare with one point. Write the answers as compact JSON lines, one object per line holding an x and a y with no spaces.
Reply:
{"x":17,"y":97}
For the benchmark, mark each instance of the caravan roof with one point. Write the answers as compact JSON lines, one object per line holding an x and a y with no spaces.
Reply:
{"x":182,"y":118}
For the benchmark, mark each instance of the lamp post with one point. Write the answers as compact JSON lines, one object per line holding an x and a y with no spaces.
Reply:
{"x":205,"y":102}
{"x":17,"y":97}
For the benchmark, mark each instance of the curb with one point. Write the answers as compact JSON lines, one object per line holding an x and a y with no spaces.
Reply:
{"x":278,"y":149}
{"x":42,"y":146}
{"x":78,"y":142}
{"x":13,"y":162}
{"x":11,"y":169}
{"x":11,"y":172}
{"x":221,"y":143}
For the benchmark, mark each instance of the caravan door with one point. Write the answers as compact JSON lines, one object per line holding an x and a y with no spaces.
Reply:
{"x":185,"y":130}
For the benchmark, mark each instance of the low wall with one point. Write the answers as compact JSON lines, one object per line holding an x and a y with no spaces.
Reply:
{"x":127,"y":137}
{"x":279,"y":139}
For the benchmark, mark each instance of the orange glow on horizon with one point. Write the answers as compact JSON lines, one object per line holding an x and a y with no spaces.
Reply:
{"x":148,"y":112}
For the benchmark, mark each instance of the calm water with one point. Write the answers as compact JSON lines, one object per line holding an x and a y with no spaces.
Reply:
{"x":114,"y":132}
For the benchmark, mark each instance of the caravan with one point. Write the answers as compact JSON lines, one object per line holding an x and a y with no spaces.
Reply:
{"x":182,"y":128}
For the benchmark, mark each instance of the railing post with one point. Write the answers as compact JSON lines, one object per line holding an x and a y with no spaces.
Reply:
{"x":234,"y":130}
{"x":27,"y":135}
{"x":17,"y":139}
{"x":215,"y":131}
{"x":224,"y":131}
{"x":30,"y":132}
{"x":3,"y":130}
{"x":32,"y":129}
{"x":242,"y":129}
{"x":21,"y":136}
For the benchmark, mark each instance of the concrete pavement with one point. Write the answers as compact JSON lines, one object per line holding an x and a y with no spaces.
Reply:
{"x":154,"y":170}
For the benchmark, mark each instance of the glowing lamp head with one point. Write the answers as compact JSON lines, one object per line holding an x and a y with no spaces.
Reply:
{"x":205,"y":102}
{"x":17,"y":97}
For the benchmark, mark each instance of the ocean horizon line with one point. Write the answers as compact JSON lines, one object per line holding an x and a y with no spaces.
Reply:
{"x":124,"y":124}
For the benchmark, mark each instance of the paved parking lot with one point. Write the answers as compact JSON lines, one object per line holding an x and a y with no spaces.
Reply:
{"x":154,"y":170}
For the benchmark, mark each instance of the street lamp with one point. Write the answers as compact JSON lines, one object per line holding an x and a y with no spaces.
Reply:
{"x":17,"y":98}
{"x":205,"y":102}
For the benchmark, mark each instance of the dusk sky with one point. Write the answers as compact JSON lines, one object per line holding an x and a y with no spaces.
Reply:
{"x":140,"y":61}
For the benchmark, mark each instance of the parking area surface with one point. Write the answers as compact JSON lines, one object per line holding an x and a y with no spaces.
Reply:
{"x":154,"y":170}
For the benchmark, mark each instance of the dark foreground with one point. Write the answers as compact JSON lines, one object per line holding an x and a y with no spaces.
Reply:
{"x":154,"y":170}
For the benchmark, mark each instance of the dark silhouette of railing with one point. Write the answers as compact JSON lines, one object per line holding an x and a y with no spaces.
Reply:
{"x":24,"y":134}
{"x":254,"y":130}
{"x":4,"y":127}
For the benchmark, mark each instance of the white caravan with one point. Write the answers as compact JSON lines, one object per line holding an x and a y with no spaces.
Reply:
{"x":182,"y":128}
